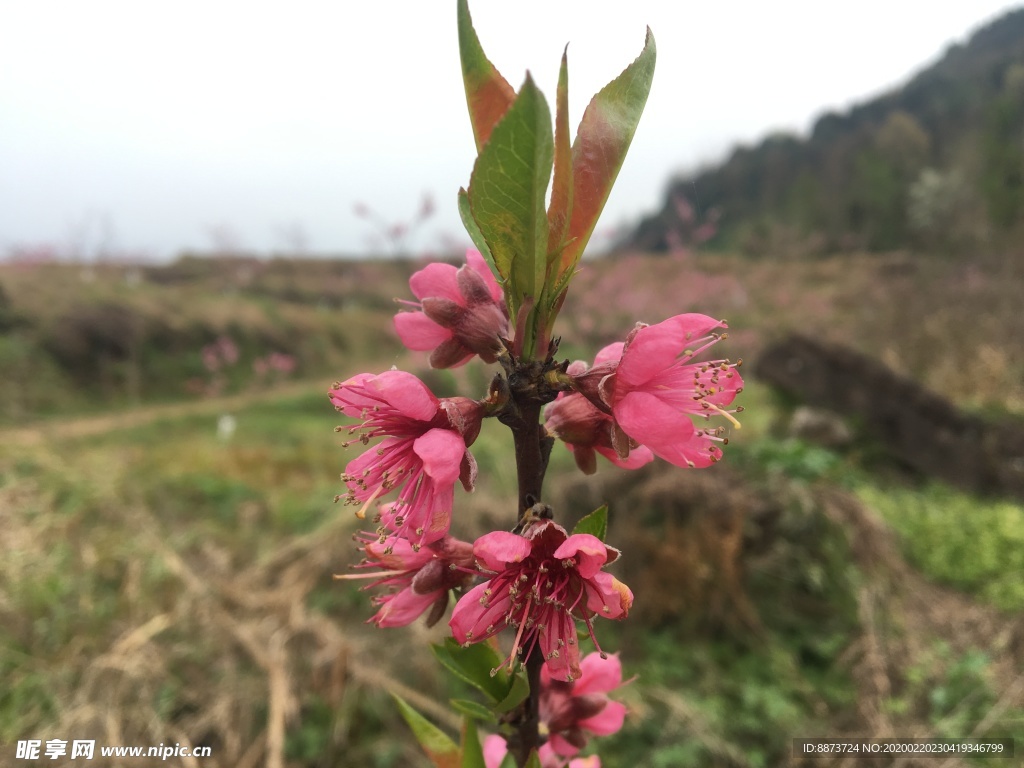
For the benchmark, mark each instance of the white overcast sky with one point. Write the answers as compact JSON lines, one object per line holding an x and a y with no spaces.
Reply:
{"x":153,"y":127}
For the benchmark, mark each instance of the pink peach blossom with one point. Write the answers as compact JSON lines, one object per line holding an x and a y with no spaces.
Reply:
{"x":574,"y":709}
{"x":424,"y":451}
{"x":418,"y":578}
{"x":654,"y":391}
{"x":460,"y":313}
{"x":588,"y":431}
{"x":540,"y":583}
{"x":495,"y":748}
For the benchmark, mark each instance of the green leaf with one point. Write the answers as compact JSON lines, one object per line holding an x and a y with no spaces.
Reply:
{"x":596,"y":523}
{"x":507,"y":194}
{"x":442,"y":751}
{"x":488,"y":94}
{"x":561,"y":186}
{"x":599,"y":150}
{"x":474,"y":709}
{"x":508,"y":762}
{"x":519,"y":690}
{"x":475,"y":234}
{"x":533,"y":761}
{"x":472,"y":749}
{"x":473,"y":664}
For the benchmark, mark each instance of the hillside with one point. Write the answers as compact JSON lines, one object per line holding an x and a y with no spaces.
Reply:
{"x":936,"y":162}
{"x":169,"y":532}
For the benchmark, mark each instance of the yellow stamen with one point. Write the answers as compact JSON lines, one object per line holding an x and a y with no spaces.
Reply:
{"x":727,"y":415}
{"x":361,"y":514}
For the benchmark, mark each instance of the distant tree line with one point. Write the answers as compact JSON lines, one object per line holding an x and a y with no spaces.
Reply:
{"x":936,"y":164}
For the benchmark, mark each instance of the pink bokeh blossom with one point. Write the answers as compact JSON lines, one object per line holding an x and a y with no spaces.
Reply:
{"x":574,"y":710}
{"x":495,"y":749}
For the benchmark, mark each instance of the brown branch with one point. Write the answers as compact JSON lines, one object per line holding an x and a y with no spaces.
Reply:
{"x":529,"y":393}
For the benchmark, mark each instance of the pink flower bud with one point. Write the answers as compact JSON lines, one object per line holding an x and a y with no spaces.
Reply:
{"x":460,"y":313}
{"x":573,"y":710}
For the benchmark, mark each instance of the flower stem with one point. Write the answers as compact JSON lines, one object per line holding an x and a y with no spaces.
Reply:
{"x":529,"y":393}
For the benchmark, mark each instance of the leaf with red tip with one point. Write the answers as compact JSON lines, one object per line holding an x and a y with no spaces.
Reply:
{"x":599,"y":150}
{"x":442,"y":751}
{"x":488,"y":94}
{"x":561,"y":186}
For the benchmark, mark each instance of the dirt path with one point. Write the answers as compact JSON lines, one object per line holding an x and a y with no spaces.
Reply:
{"x":64,"y":428}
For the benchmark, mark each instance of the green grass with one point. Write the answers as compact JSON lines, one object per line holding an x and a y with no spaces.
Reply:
{"x":274,"y":480}
{"x":958,"y":539}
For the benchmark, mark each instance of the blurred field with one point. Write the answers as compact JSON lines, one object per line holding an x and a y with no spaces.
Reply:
{"x":165,"y":582}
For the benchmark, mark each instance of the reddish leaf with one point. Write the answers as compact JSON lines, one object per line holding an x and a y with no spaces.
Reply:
{"x":561,"y":186}
{"x":488,"y":94}
{"x":441,"y":750}
{"x":600,"y":148}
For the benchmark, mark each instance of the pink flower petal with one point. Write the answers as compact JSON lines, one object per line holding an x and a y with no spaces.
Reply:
{"x":657,"y":347}
{"x":436,"y":280}
{"x":599,"y":675}
{"x":495,"y":749}
{"x":406,"y":394}
{"x":418,"y":332}
{"x":607,"y":596}
{"x":560,"y":746}
{"x":669,"y":433}
{"x":477,"y":263}
{"x":606,"y":722}
{"x":497,"y":549}
{"x":403,"y":608}
{"x":589,"y":552}
{"x":398,"y":555}
{"x":610,"y":354}
{"x":441,"y":452}
{"x":560,"y":646}
{"x":478,"y":615}
{"x":350,"y":395}
{"x":637,"y":457}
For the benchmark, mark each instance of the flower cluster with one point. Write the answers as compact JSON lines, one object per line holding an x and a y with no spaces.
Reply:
{"x":651,"y":395}
{"x":424,"y":451}
{"x":539,"y":583}
{"x":645,"y":392}
{"x":570,"y":712}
